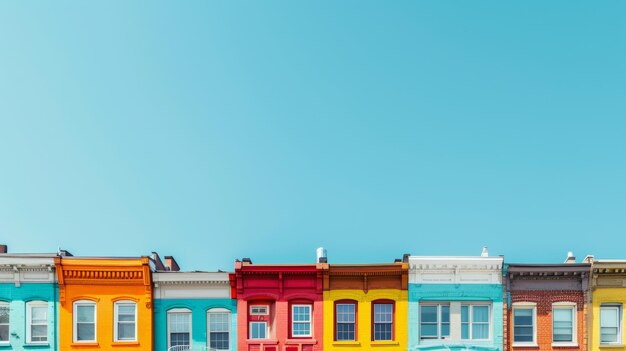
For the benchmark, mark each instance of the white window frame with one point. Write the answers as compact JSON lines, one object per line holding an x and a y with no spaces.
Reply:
{"x":620,"y":327}
{"x":439,"y":321}
{"x":266,"y":330}
{"x":265,"y":310}
{"x":75,"y":306}
{"x":310,"y":321}
{"x":116,"y":306}
{"x":524,"y":306}
{"x":7,"y":305}
{"x":566,"y":306}
{"x":29,"y":321}
{"x":471,"y":322}
{"x":208,"y":325}
{"x":179,"y":310}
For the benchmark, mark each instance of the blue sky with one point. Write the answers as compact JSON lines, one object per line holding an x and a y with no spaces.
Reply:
{"x":211,"y":130}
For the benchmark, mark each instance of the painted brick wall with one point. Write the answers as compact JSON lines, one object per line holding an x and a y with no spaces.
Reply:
{"x":17,"y":297}
{"x":544,"y":300}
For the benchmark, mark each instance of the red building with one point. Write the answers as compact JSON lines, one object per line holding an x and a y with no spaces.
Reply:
{"x":280,"y":307}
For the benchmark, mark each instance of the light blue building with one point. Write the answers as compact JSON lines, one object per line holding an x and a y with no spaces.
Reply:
{"x":455,"y":303}
{"x":28,"y":302}
{"x":192,"y":309}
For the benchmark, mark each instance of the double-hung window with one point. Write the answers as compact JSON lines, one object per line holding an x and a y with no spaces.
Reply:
{"x":125,"y":321}
{"x":218,"y":329}
{"x":610,"y":324}
{"x":179,"y":327}
{"x":434,"y":321}
{"x":345,"y":321}
{"x":300,"y":320}
{"x":84,"y":321}
{"x":563,"y":323}
{"x":475,"y":322}
{"x":524,"y":324}
{"x":383,"y":321}
{"x":36,"y":322}
{"x":4,"y":322}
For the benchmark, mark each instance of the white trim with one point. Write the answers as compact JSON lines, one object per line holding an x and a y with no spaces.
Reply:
{"x":566,"y":306}
{"x":7,"y":305}
{"x":75,"y":306}
{"x":439,"y":306}
{"x":310,"y":321}
{"x":524,"y":305}
{"x":620,"y":327}
{"x":215,"y":311}
{"x":116,"y":306}
{"x":29,"y":322}
{"x":470,"y":320}
{"x":266,"y":309}
{"x":258,"y":322}
{"x":178,"y":311}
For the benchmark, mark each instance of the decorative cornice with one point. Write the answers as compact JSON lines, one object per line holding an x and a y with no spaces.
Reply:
{"x":192,"y":282}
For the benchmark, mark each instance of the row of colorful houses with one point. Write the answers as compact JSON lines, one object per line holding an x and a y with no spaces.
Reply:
{"x":63,"y":302}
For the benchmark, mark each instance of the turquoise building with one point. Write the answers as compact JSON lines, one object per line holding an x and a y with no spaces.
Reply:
{"x":192,"y":310}
{"x":455,"y":303}
{"x":28,"y":302}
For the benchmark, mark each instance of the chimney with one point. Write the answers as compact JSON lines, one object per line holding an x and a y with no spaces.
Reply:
{"x":158,"y":264}
{"x":170,"y":264}
{"x":570,"y":257}
{"x":321,"y":255}
{"x":588,"y":259}
{"x":485,"y":252}
{"x":246,"y":260}
{"x":405,"y":257}
{"x":4,"y":249}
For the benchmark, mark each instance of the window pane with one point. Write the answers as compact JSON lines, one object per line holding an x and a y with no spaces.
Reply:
{"x":428,"y":330}
{"x":523,"y":334}
{"x":383,"y":313}
{"x":126,"y":331}
{"x":301,"y":313}
{"x":179,"y":339}
{"x":257,"y":330}
{"x":480,"y":314}
{"x":609,"y":316}
{"x":429,"y":314}
{"x":85,"y":313}
{"x":85,"y":332}
{"x":608,"y":334}
{"x":180,"y":322}
{"x":219,"y":340}
{"x":445,"y":329}
{"x":562,"y":324}
{"x":345,"y":313}
{"x":465,"y":331}
{"x":345,"y":331}
{"x":37,"y":331}
{"x":445,"y":314}
{"x":39,"y":314}
{"x":382,"y":331}
{"x":480,"y":331}
{"x":4,"y":332}
{"x":464,"y":314}
{"x":4,"y":314}
{"x":301,"y":329}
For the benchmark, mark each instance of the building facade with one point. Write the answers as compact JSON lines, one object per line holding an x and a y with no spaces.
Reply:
{"x":546,"y":306}
{"x":279,"y":307}
{"x":608,"y":294}
{"x":366,"y":307}
{"x":105,"y":303}
{"x":28,"y":302}
{"x":455,"y":303}
{"x":194,"y":309}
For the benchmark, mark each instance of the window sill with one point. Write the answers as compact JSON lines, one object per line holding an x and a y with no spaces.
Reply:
{"x":86,"y":345}
{"x":305,"y":341}
{"x":33,"y":345}
{"x":262,"y":341}
{"x":384,"y":343}
{"x":611,"y":346}
{"x":564,"y":344}
{"x":125,"y":343}
{"x":530,"y":344}
{"x":346,"y":343}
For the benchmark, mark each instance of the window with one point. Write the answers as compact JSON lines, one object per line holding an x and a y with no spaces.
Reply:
{"x":475,"y":322}
{"x":218,"y":329}
{"x":4,"y":322}
{"x":258,"y":310}
{"x":84,"y":321}
{"x":125,"y":321}
{"x":300,"y":320}
{"x":383,"y":321}
{"x":610,"y":326}
{"x":258,"y":330}
{"x":434,"y":321}
{"x":36,"y":322}
{"x":179,"y":327}
{"x":524,"y":316}
{"x":345,"y":321}
{"x":563,"y":323}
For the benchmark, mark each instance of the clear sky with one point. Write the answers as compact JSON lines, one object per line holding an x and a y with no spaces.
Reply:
{"x":214,"y":130}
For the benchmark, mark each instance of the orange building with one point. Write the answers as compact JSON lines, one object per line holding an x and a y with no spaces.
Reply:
{"x":105,"y":303}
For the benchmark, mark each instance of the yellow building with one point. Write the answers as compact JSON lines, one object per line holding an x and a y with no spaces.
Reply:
{"x":105,"y":303}
{"x":608,"y":300}
{"x":366,"y":307}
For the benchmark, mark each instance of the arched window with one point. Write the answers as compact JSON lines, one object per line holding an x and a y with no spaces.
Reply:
{"x":84,"y":321}
{"x":218,"y":329}
{"x":4,"y":322}
{"x":37,"y":322}
{"x":345,"y":320}
{"x":179,"y":327}
{"x":383,"y":315}
{"x":125,"y":315}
